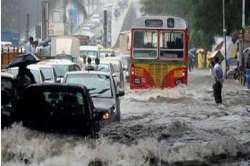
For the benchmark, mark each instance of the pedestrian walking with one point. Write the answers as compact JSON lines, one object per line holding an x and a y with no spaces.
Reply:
{"x":29,"y":46}
{"x":218,"y":80}
{"x":34,"y":47}
{"x":24,"y":78}
{"x":89,"y":66}
{"x":190,"y":62}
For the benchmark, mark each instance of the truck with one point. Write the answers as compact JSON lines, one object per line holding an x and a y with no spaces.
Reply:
{"x":66,"y":47}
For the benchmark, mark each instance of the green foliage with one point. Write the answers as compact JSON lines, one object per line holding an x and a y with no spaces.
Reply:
{"x":203,"y":16}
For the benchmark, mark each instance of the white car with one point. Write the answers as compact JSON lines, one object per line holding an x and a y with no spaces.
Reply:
{"x":48,"y":72}
{"x":61,"y":67}
{"x":36,"y":72}
{"x":118,"y":70}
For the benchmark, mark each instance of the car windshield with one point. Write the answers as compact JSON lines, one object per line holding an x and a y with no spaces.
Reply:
{"x":48,"y":73}
{"x":103,"y":67}
{"x":145,"y":44}
{"x":58,"y":101}
{"x":99,"y":85}
{"x":103,"y":54}
{"x":171,"y":44}
{"x":61,"y":70}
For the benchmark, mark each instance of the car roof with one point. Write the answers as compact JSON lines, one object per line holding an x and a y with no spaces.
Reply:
{"x":88,"y":48}
{"x":38,"y":66}
{"x":31,"y":67}
{"x":102,"y":62}
{"x":56,"y":86}
{"x":110,"y":60}
{"x":88,"y":72}
{"x":56,"y":62}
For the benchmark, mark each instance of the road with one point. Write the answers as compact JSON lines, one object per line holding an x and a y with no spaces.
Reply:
{"x":179,"y":126}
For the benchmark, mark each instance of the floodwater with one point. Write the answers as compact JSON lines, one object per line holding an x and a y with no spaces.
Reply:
{"x":171,"y":127}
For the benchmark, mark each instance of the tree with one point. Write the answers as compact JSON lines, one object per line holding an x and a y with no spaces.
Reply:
{"x":203,"y":16}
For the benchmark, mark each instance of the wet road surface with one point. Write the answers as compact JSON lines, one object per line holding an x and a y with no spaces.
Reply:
{"x":179,"y":126}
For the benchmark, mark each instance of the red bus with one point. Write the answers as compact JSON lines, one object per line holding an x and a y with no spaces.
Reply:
{"x":159,"y":52}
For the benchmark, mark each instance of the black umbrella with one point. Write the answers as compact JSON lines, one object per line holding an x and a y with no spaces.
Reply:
{"x":23,"y":60}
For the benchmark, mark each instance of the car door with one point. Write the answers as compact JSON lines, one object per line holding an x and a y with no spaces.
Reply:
{"x":55,"y":107}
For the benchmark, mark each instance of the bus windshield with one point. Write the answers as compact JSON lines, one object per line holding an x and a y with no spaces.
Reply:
{"x":145,"y":44}
{"x":171,"y":44}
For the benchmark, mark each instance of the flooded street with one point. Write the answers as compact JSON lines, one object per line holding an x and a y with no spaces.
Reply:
{"x":179,"y":126}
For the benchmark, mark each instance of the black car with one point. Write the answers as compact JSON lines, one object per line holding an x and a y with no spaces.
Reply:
{"x":58,"y":107}
{"x":102,"y":89}
{"x":8,"y":93}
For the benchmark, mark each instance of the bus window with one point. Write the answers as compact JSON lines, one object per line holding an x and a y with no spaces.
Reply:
{"x":145,"y":44}
{"x":171,"y":45}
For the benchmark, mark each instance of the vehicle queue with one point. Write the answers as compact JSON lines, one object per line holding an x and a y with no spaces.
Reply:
{"x":85,"y":96}
{"x":65,"y":97}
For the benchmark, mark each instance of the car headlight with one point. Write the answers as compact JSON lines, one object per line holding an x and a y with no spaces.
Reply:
{"x":106,"y":116}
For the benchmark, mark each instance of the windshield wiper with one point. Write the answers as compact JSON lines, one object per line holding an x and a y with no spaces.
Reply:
{"x":100,"y":92}
{"x":91,"y":89}
{"x":100,"y":69}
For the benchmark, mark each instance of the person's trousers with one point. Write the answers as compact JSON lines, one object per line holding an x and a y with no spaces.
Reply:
{"x":217,"y":92}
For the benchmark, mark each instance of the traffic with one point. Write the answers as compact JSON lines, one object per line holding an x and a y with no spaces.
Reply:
{"x":125,"y":83}
{"x":64,"y":91}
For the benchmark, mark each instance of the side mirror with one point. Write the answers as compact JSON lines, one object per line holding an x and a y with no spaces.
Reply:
{"x":120,"y":93}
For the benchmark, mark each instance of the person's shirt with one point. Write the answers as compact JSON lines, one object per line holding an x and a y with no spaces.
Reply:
{"x":239,"y":58}
{"x":28,"y":48}
{"x":89,"y":67}
{"x":218,"y":73}
{"x":248,"y":61}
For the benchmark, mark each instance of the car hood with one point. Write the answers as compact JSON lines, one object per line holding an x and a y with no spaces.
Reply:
{"x":104,"y":103}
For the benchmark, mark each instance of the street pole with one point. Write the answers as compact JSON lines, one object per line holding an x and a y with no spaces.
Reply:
{"x":45,"y":19}
{"x":105,"y":26}
{"x":243,"y":13}
{"x":224,"y":33}
{"x":64,"y":16}
{"x":243,"y":38}
{"x":27,"y":26}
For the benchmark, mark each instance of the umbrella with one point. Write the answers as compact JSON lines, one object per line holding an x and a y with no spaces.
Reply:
{"x":23,"y":59}
{"x":219,"y":46}
{"x":218,"y":54}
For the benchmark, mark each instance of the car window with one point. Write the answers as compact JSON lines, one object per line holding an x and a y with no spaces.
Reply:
{"x":37,"y":75}
{"x":57,"y":101}
{"x":13,"y":71}
{"x":6,"y":83}
{"x":77,"y":68}
{"x":103,"y":67}
{"x":47,"y":73}
{"x":65,"y":101}
{"x":61,"y":70}
{"x":99,"y":85}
